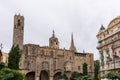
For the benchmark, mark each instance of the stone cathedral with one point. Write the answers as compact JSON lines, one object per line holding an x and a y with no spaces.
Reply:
{"x":48,"y":62}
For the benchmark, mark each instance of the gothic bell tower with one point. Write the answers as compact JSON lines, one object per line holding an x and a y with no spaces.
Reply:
{"x":18,"y":31}
{"x":53,"y":41}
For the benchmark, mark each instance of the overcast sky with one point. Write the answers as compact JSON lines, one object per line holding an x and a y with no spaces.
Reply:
{"x":82,"y":17}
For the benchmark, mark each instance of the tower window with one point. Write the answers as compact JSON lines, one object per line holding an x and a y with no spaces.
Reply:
{"x":51,"y":52}
{"x":78,"y":67}
{"x":42,"y":52}
{"x":18,"y":23}
{"x":70,"y":57}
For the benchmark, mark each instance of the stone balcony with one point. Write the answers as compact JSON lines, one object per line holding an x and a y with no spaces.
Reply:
{"x":105,"y":43}
{"x":116,"y":45}
{"x":112,"y":65}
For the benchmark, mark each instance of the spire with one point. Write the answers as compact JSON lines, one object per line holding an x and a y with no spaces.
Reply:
{"x":19,"y":14}
{"x":83,"y":51}
{"x":53,"y":35}
{"x":72,"y":47}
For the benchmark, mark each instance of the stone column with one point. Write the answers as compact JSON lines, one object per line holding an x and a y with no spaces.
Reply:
{"x":51,"y":78}
{"x":68,"y":74}
{"x":37,"y":78}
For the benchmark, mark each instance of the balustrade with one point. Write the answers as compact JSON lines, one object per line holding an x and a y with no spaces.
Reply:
{"x":108,"y":42}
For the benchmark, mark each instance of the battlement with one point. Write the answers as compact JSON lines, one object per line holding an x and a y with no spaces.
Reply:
{"x":80,"y":54}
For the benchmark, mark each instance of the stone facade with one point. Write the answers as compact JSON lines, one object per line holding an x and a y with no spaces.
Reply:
{"x":49,"y":62}
{"x":109,"y":46}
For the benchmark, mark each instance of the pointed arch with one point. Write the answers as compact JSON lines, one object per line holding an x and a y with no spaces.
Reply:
{"x":30,"y":76}
{"x":44,"y":75}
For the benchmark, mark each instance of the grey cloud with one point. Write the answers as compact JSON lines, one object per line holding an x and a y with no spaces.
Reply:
{"x":82,"y":17}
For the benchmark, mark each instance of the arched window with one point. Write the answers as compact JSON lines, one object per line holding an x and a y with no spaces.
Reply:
{"x":42,"y":52}
{"x":51,"y":53}
{"x":18,"y":22}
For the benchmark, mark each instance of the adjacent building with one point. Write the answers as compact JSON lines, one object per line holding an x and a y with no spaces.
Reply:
{"x":3,"y":57}
{"x":109,"y":46}
{"x":48,"y":62}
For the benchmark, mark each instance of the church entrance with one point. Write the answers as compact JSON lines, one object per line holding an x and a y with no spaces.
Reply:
{"x":57,"y":76}
{"x":30,"y":76}
{"x":44,"y":75}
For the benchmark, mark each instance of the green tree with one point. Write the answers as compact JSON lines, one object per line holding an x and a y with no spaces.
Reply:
{"x":79,"y":76}
{"x":9,"y":74}
{"x":86,"y":77}
{"x":85,"y":70}
{"x":113,"y":75}
{"x":76,"y":76}
{"x":63,"y":76}
{"x":96,"y":69}
{"x":2,"y":65}
{"x":14,"y":57}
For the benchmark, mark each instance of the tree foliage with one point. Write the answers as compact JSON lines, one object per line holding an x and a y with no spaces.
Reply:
{"x":113,"y":75}
{"x":63,"y":76}
{"x":86,"y":77}
{"x":79,"y":76}
{"x":96,"y":70}
{"x":9,"y":74}
{"x":85,"y":70}
{"x":14,"y":57}
{"x":2,"y":65}
{"x":75,"y":75}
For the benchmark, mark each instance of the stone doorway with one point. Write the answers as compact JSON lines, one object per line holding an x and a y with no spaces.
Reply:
{"x":57,"y":76}
{"x":44,"y":75}
{"x":30,"y":76}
